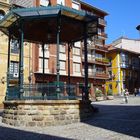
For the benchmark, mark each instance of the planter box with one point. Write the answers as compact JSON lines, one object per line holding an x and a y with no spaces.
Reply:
{"x":99,"y":98}
{"x":110,"y":97}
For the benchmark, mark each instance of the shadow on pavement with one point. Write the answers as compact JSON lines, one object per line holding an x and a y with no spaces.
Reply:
{"x":118,"y":118}
{"x":14,"y":134}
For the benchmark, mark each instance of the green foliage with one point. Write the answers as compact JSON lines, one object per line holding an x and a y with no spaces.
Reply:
{"x":110,"y":93}
{"x":98,"y":93}
{"x":105,"y":60}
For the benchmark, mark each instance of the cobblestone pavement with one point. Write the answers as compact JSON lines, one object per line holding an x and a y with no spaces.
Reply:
{"x":114,"y":121}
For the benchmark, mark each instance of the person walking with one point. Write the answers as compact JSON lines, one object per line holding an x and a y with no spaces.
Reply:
{"x":135,"y":91}
{"x":126,"y":94}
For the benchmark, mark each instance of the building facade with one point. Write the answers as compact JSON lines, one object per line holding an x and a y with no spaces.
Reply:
{"x":33,"y":54}
{"x":14,"y":57}
{"x":97,"y":61}
{"x":125,"y":65}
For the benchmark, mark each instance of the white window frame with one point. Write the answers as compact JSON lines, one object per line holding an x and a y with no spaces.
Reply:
{"x":62,"y":49}
{"x":61,"y":2}
{"x":75,"y":5}
{"x":76,"y":51}
{"x":77,"y":67}
{"x":41,"y":63}
{"x":44,"y":2}
{"x":46,"y":49}
{"x":62,"y":65}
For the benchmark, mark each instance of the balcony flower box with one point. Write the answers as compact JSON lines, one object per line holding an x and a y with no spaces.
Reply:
{"x":98,"y":59}
{"x":105,"y":60}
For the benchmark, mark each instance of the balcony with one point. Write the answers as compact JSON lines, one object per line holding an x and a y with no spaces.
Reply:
{"x":102,"y":35}
{"x":102,"y":75}
{"x":102,"y":22}
{"x":99,"y":61}
{"x":99,"y":42}
{"x":96,"y":75}
{"x":103,"y":61}
{"x":125,"y":65}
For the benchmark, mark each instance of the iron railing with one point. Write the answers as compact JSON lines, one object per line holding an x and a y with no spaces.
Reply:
{"x":42,"y":92}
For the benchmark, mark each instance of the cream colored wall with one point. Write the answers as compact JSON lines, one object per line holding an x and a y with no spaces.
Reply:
{"x":13,"y":57}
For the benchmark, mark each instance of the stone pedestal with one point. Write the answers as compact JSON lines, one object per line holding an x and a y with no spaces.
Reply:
{"x":45,"y":113}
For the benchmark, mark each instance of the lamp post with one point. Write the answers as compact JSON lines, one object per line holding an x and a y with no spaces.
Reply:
{"x":138,"y":28}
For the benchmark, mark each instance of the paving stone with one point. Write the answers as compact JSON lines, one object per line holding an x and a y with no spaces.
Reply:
{"x":114,"y":121}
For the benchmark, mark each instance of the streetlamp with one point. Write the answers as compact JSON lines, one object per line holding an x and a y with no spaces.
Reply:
{"x":138,"y":28}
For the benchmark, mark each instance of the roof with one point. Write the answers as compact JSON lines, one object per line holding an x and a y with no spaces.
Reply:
{"x":41,"y":22}
{"x":95,"y":8}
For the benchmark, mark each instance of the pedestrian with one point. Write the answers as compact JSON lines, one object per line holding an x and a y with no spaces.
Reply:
{"x":83,"y":92}
{"x":139,"y":91}
{"x":126,"y":94}
{"x":135,"y":91}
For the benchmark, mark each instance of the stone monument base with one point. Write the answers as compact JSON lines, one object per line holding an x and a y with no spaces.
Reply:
{"x":42,"y":113}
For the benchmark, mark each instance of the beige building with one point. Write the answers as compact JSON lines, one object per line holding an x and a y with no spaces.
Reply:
{"x":14,"y":57}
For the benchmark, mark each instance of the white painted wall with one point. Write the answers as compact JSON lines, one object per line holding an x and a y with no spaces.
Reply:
{"x":129,"y":45}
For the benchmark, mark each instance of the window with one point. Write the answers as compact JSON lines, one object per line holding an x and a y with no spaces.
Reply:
{"x":14,"y":69}
{"x":76,"y":67}
{"x":62,"y":65}
{"x":124,"y":60}
{"x":98,"y":55}
{"x":99,"y":31}
{"x":44,"y":2}
{"x":46,"y":47}
{"x":61,"y":2}
{"x":76,"y":51}
{"x":100,"y":70}
{"x":75,"y":5}
{"x":124,"y":74}
{"x":62,"y":49}
{"x":41,"y":63}
{"x":14,"y":46}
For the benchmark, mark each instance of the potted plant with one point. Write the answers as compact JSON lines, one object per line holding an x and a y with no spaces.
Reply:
{"x":110,"y":95}
{"x":99,"y":95}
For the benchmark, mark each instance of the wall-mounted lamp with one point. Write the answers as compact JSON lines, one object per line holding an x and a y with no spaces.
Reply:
{"x":3,"y":80}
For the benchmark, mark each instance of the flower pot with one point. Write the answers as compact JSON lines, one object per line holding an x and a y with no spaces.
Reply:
{"x":100,"y":98}
{"x":110,"y":97}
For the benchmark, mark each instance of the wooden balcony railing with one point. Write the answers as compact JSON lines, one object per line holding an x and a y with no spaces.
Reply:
{"x":102,"y":75}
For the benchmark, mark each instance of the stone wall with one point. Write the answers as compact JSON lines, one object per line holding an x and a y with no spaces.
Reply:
{"x":45,"y":113}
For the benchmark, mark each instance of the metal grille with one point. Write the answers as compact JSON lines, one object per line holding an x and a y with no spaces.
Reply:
{"x":42,"y":92}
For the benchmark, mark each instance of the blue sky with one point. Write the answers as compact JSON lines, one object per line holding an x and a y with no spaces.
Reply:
{"x":124,"y":16}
